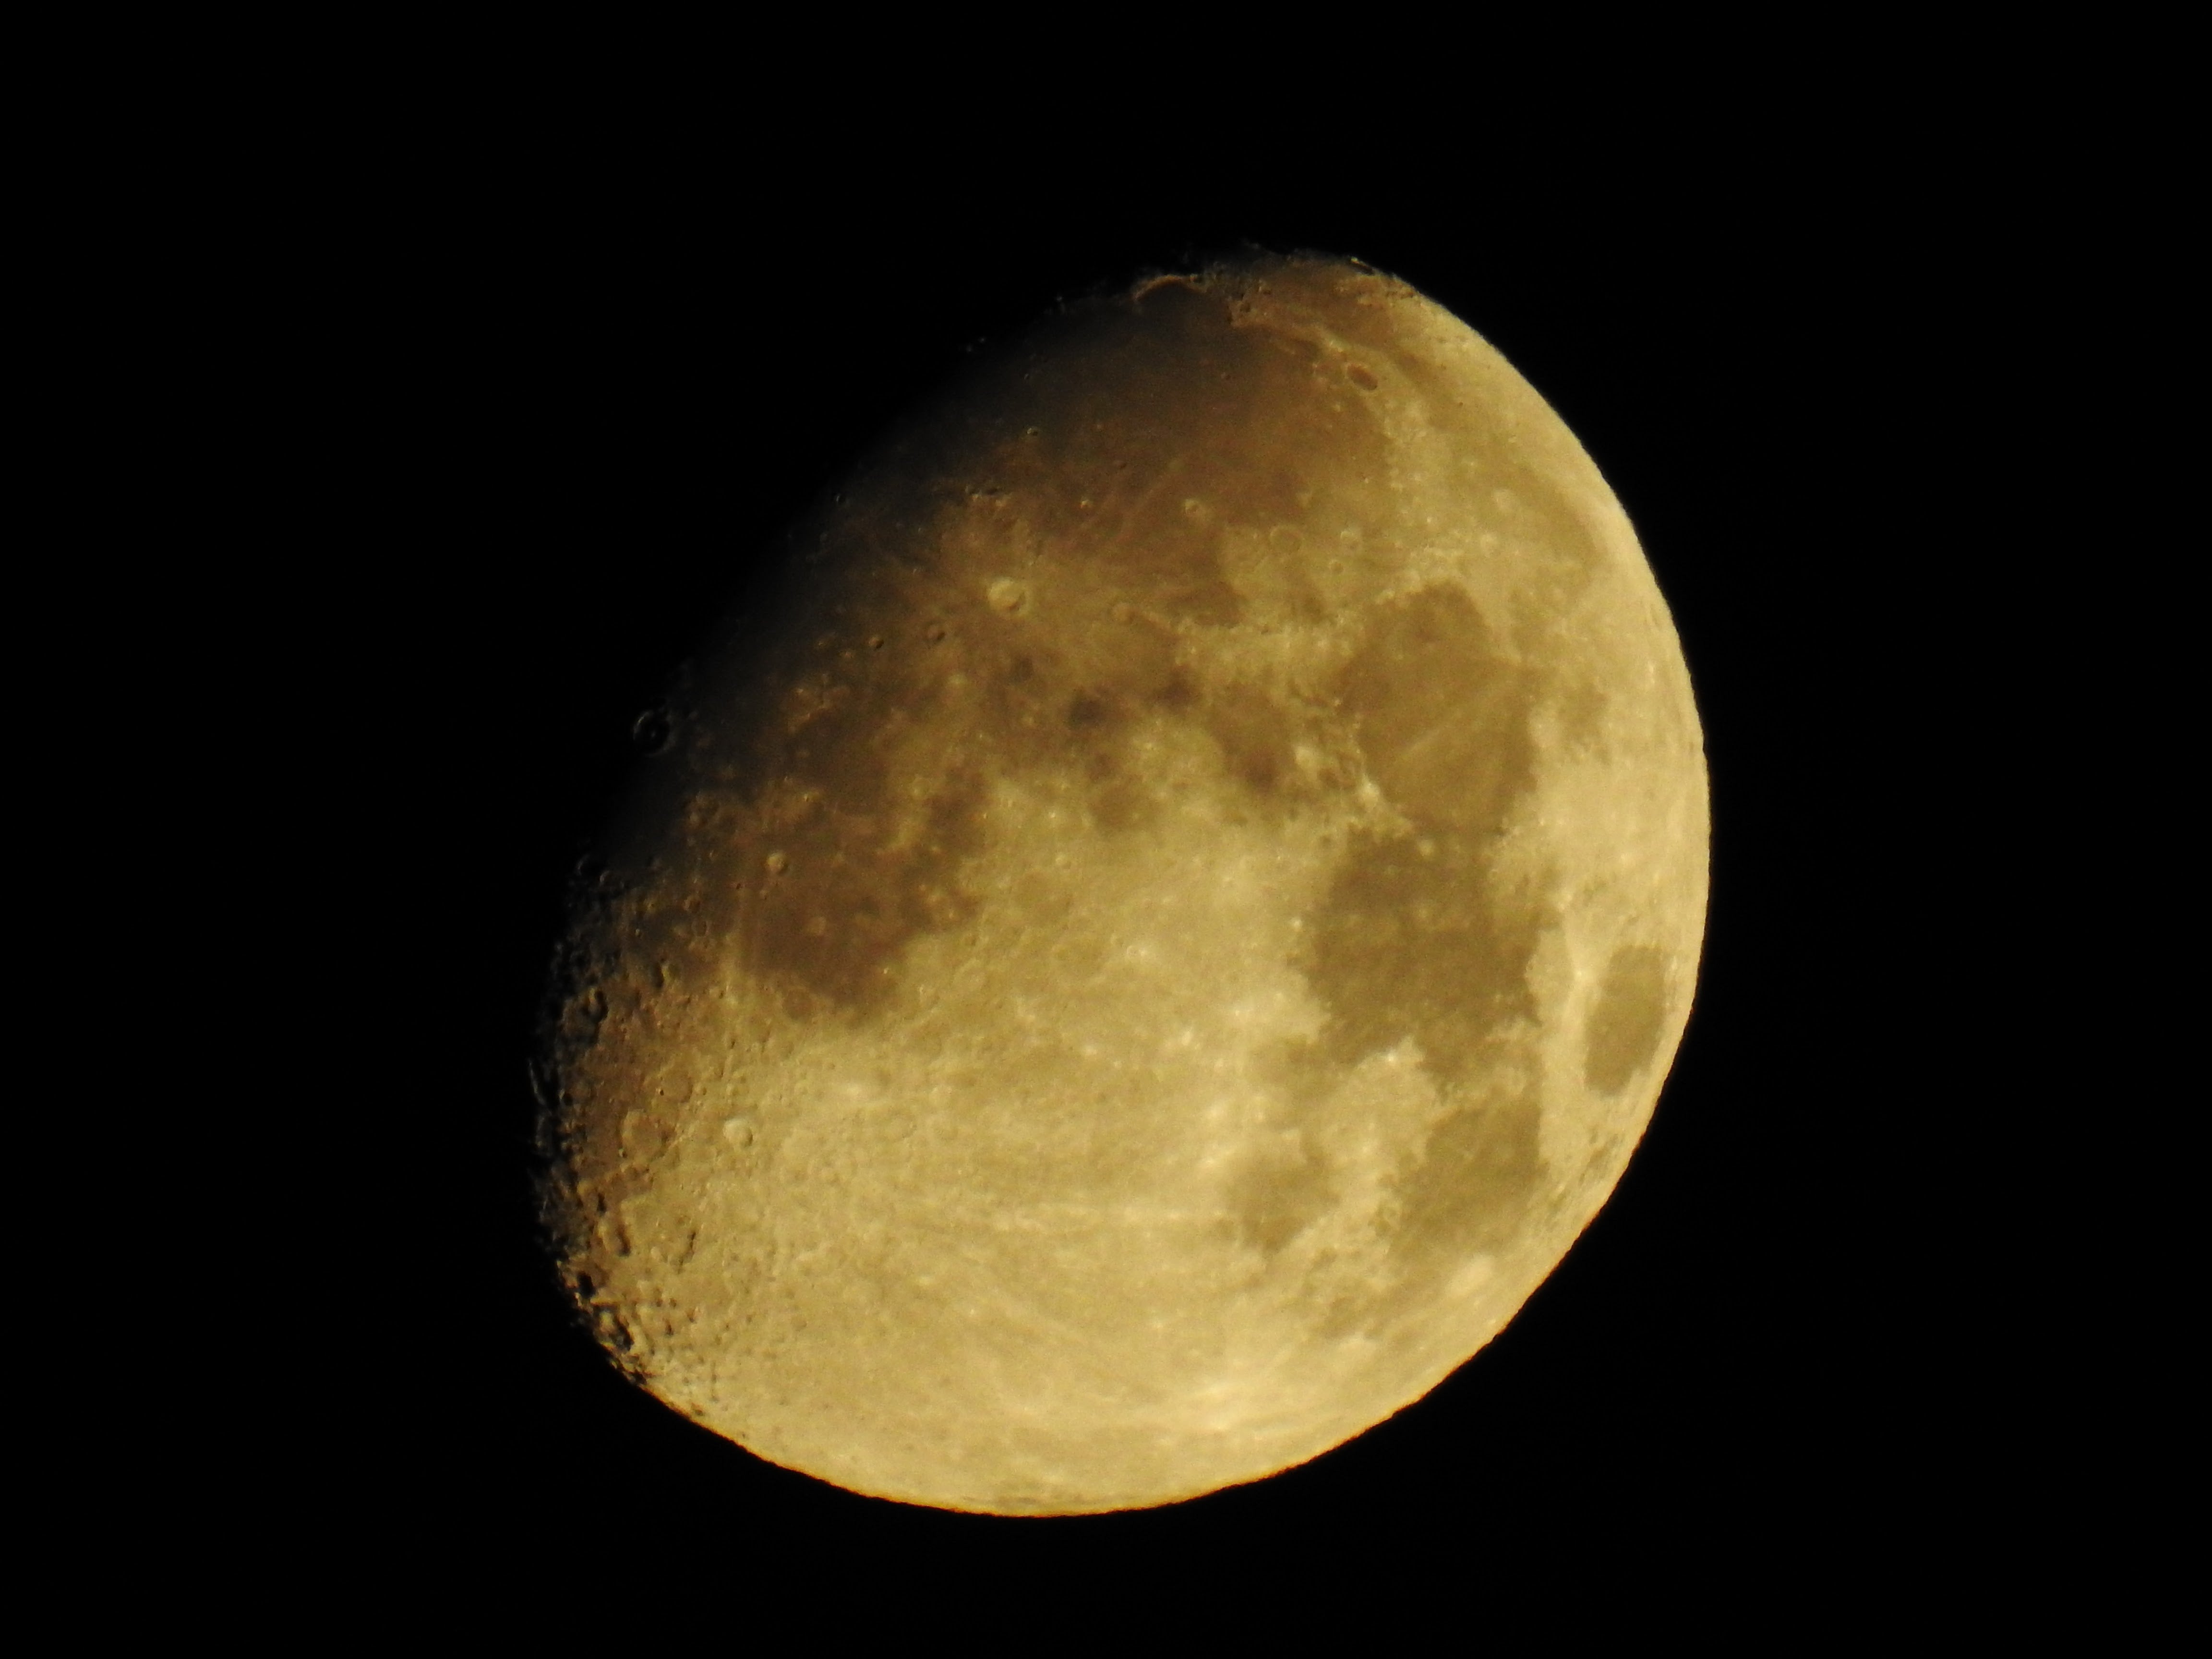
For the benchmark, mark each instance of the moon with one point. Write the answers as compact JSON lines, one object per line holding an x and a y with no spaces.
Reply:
{"x":1142,"y":961}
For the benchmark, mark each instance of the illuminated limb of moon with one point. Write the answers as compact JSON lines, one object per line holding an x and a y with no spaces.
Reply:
{"x":1171,"y":936}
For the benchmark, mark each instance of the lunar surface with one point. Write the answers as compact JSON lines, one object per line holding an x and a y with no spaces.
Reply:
{"x":1144,"y":961}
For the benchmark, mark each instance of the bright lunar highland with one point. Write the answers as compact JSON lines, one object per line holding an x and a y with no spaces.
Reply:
{"x":1137,"y":965}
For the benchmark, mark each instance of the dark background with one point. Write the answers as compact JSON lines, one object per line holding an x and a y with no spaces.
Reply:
{"x":596,"y":380}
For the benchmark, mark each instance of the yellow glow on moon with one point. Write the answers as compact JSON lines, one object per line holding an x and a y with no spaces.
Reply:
{"x":1171,"y":938}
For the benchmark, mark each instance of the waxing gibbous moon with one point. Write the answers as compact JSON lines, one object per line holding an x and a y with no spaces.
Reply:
{"x":1165,"y":938}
